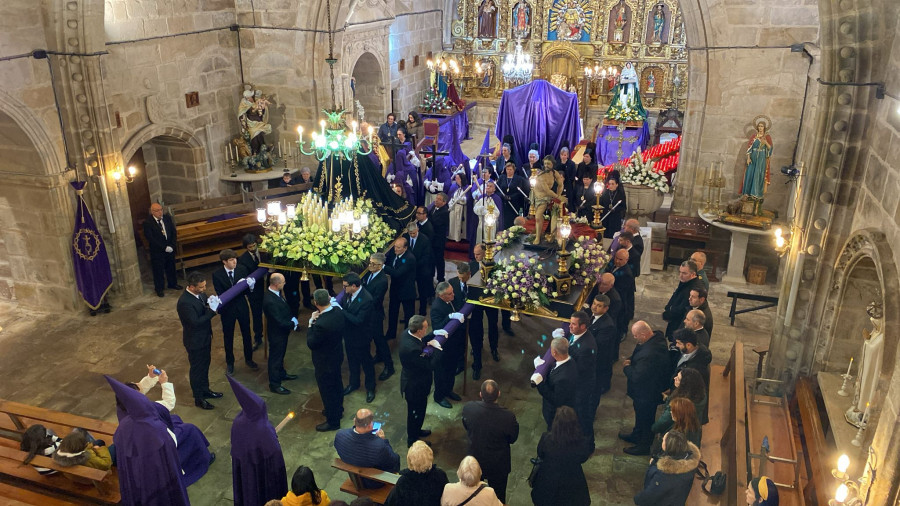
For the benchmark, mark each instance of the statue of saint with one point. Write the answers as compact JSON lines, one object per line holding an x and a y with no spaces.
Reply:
{"x":253,"y":116}
{"x":547,"y":192}
{"x":869,"y":365}
{"x":620,"y":20}
{"x":522,"y":23}
{"x":625,"y":104}
{"x":659,"y":24}
{"x":571,"y":19}
{"x":487,"y":20}
{"x":759,"y":150}
{"x":651,"y":83}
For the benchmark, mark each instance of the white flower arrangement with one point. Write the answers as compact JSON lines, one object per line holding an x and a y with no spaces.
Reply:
{"x":519,"y":281}
{"x":589,"y":260}
{"x":507,"y":237}
{"x":641,"y":173}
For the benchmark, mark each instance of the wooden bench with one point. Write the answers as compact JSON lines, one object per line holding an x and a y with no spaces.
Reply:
{"x":199,"y":243}
{"x":769,"y":302}
{"x":16,"y":417}
{"x":768,"y":421}
{"x":711,"y":448}
{"x":103,"y":487}
{"x":818,"y":454}
{"x":684,"y":232}
{"x":28,"y":497}
{"x":354,"y":486}
{"x":211,"y":203}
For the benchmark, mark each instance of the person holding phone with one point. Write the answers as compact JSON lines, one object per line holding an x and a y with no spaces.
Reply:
{"x":364,"y":446}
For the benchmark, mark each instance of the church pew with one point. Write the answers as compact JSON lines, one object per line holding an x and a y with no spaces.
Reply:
{"x":211,"y":203}
{"x":818,"y":453}
{"x":353,"y":484}
{"x":199,"y":243}
{"x":734,"y":438}
{"x":103,"y":487}
{"x":17,"y":417}
{"x":25,"y":496}
{"x":711,"y":449}
{"x":768,"y":417}
{"x":279,"y":192}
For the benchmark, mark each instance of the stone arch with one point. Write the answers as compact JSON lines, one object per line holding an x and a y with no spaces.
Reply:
{"x":174,"y":167}
{"x":370,"y":86}
{"x":35,"y":129}
{"x":149,"y":132}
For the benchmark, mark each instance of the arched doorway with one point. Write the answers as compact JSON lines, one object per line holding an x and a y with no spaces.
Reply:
{"x":370,"y":88}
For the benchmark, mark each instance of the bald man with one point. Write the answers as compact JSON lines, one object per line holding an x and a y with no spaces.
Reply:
{"x":159,"y":229}
{"x":606,"y":286}
{"x":363,"y":446}
{"x":281,"y":322}
{"x":624,"y":284}
{"x":648,"y":372}
{"x":699,"y":258}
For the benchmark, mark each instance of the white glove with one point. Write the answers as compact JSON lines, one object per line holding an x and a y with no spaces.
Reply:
{"x":214,"y":302}
{"x":440,"y":332}
{"x":413,"y":159}
{"x":169,"y":249}
{"x":390,"y":178}
{"x":458,"y":316}
{"x":251,"y":282}
{"x":409,"y":180}
{"x":311,"y":321}
{"x":428,"y":183}
{"x":434,"y":344}
{"x":536,"y":378}
{"x":296,"y":323}
{"x":538,"y":361}
{"x":559,"y":333}
{"x":334,"y":302}
{"x":440,"y":186}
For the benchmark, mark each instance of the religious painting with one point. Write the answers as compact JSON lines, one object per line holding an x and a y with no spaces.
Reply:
{"x":658,"y":24}
{"x":619,"y":23}
{"x":652,"y":81}
{"x":487,"y":20}
{"x":521,"y":21}
{"x":570,"y":20}
{"x":487,"y":76}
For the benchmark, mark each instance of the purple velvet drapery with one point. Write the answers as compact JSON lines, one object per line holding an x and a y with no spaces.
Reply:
{"x":539,"y":112}
{"x":608,"y":143}
{"x":453,"y":130}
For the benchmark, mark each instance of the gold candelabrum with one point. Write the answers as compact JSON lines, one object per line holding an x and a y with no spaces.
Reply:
{"x":597,"y":224}
{"x":490,"y":222}
{"x":562,"y":278}
{"x":714,"y":182}
{"x":533,"y":180}
{"x":233,"y":164}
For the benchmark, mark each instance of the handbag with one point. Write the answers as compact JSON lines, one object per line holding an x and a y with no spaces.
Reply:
{"x":535,"y":465}
{"x":479,"y":489}
{"x":712,"y":485}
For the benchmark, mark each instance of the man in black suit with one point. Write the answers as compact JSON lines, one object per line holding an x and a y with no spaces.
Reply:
{"x":420,"y":247}
{"x":606,"y":336}
{"x":692,"y":355}
{"x":424,"y":223}
{"x":624,"y":283}
{"x":326,"y":328}
{"x":491,"y":429}
{"x":698,"y":300}
{"x":561,"y":385}
{"x":281,"y":322}
{"x":460,"y":285}
{"x":359,"y":313}
{"x":648,"y":372}
{"x":415,"y":378}
{"x":583,"y":351}
{"x":695,"y":320}
{"x":515,"y":195}
{"x":159,"y":229}
{"x":400,"y":265}
{"x":375,"y":281}
{"x":637,"y":242}
{"x":196,"y":336}
{"x":444,"y":309}
{"x":250,"y":261}
{"x":476,"y":325}
{"x":235,"y":311}
{"x":679,"y":304}
{"x":439,"y":216}
{"x":634,"y":258}
{"x":606,"y":286}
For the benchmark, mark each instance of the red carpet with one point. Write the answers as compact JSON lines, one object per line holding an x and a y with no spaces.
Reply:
{"x":457,"y":251}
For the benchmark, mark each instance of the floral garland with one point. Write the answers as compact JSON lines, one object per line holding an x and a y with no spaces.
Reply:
{"x":589,"y":260}
{"x":310,"y":242}
{"x":641,"y":173}
{"x":619,"y":113}
{"x":506,"y":237}
{"x":520,"y":282}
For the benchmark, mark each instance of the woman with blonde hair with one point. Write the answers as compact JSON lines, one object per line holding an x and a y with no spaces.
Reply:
{"x":422,"y":483}
{"x":470,"y":490}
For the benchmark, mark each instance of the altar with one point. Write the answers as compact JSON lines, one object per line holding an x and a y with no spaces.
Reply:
{"x":617,"y":141}
{"x":737,"y":254}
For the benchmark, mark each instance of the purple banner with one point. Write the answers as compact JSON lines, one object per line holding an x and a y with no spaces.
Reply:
{"x":93,"y":275}
{"x":539,"y":112}
{"x":545,"y":368}
{"x":609,"y":140}
{"x":451,"y":327}
{"x":454,"y":129}
{"x":241,"y":285}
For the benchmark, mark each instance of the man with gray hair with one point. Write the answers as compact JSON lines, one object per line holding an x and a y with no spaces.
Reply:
{"x":375,"y":281}
{"x":648,"y":372}
{"x":326,"y":327}
{"x":679,"y":303}
{"x":470,"y":486}
{"x":491,"y":429}
{"x":443,"y":309}
{"x":420,"y":247}
{"x":560,"y":385}
{"x":416,"y":376}
{"x":439,"y":216}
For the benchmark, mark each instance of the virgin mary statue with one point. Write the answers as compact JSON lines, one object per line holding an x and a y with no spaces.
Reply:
{"x":626,"y":98}
{"x":759,"y":150}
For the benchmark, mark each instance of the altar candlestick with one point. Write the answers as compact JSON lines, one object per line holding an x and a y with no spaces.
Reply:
{"x":849,"y":366}
{"x":227,"y":154}
{"x":287,"y":419}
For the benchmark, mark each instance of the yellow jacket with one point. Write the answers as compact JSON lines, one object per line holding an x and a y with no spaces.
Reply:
{"x":304,"y":500}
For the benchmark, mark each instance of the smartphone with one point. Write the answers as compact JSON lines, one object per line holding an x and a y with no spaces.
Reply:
{"x":376,"y":427}
{"x":157,"y":372}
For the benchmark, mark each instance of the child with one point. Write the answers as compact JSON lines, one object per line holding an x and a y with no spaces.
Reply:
{"x":38,"y":440}
{"x":77,"y":450}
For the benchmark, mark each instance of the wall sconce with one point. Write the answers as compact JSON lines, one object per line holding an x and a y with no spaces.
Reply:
{"x":852,"y":492}
{"x":120,"y":174}
{"x":782,"y":241}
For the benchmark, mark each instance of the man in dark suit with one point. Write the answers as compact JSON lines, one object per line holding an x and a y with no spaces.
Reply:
{"x":634,"y":258}
{"x":648,"y":372}
{"x":159,"y":229}
{"x":561,"y":385}
{"x":637,"y":242}
{"x":359,"y":313}
{"x":583,"y":351}
{"x":424,"y":223}
{"x":250,"y":261}
{"x":281,"y":322}
{"x":679,"y":304}
{"x":196,"y":336}
{"x":444,"y":309}
{"x":624,"y":284}
{"x":235,"y":311}
{"x":375,"y":281}
{"x":491,"y":429}
{"x":698,"y":300}
{"x":400,"y":265}
{"x":692,"y":354}
{"x":420,"y":247}
{"x":326,"y":328}
{"x":415,"y":378}
{"x":439,"y":216}
{"x":476,"y":325}
{"x":606,"y":335}
{"x":515,"y":190}
{"x":460,"y":285}
{"x":606,"y":286}
{"x":694,"y":320}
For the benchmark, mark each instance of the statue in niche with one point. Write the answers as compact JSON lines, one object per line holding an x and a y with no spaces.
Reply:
{"x":659,"y":24}
{"x":651,"y":83}
{"x":253,"y":116}
{"x":620,"y":17}
{"x":521,"y":16}
{"x":759,"y":151}
{"x":869,"y":366}
{"x":487,"y":66}
{"x":487,"y":20}
{"x":570,"y":22}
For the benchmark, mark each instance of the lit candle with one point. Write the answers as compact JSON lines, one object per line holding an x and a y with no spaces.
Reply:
{"x":288,"y":418}
{"x":866,"y":414}
{"x":227,"y":154}
{"x":849,"y":366}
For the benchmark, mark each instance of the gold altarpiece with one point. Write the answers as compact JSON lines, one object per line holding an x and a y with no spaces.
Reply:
{"x":565,"y":36}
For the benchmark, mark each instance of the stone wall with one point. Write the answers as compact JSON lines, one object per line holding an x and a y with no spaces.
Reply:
{"x":413,"y":34}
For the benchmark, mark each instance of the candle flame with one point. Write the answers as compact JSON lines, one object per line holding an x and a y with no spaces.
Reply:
{"x":291,"y":414}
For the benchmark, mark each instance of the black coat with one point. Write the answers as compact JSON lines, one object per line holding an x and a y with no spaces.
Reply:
{"x":195,"y":319}
{"x":250,"y":264}
{"x":708,"y":324}
{"x":634,"y":261}
{"x":700,"y":361}
{"x":559,"y":389}
{"x":491,"y":429}
{"x":424,"y":264}
{"x":614,"y":208}
{"x":419,"y":489}
{"x":668,"y":480}
{"x":606,"y":335}
{"x":426,"y":229}
{"x":416,"y":376}
{"x":625,"y":287}
{"x":324,"y":340}
{"x":221,"y":283}
{"x":702,"y":337}
{"x":155,"y":237}
{"x":440,"y":313}
{"x":439,"y":217}
{"x":650,"y":369}
{"x":560,"y":479}
{"x":515,"y":191}
{"x":377,"y":288}
{"x":359,"y":316}
{"x":678,"y":305}
{"x":459,"y":296}
{"x":617,"y":309}
{"x":637,"y":244}
{"x":278,"y":316}
{"x":584,"y":353}
{"x":403,"y":275}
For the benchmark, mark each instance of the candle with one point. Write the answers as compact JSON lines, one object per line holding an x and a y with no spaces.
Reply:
{"x":288,"y":418}
{"x":865,"y":417}
{"x":227,"y":154}
{"x":849,"y":366}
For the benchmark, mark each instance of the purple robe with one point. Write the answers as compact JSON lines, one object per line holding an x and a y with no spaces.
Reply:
{"x":147,"y":459}
{"x":258,"y":473}
{"x":402,"y":168}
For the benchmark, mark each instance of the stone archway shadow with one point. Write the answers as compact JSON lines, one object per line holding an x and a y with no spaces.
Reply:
{"x":182,"y":156}
{"x":370,"y":90}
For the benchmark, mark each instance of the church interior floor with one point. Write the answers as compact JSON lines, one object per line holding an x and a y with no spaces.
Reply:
{"x":56,"y":361}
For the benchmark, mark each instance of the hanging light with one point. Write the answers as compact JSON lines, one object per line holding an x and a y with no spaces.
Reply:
{"x":518,"y":67}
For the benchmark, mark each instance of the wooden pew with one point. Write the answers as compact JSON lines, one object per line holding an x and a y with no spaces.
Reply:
{"x":818,"y":454}
{"x":17,"y":417}
{"x":29,"y":497}
{"x":711,"y":449}
{"x":734,"y":440}
{"x":70,"y":481}
{"x":211,"y":203}
{"x":353,"y":485}
{"x":768,"y":419}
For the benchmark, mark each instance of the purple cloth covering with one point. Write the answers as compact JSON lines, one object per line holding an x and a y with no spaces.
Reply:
{"x":258,"y":473}
{"x":147,"y":459}
{"x":241,"y":285}
{"x":193,"y":447}
{"x":539,"y":112}
{"x":93,"y":276}
{"x":451,"y":327}
{"x":607,"y":147}
{"x":545,"y":368}
{"x":402,"y":169}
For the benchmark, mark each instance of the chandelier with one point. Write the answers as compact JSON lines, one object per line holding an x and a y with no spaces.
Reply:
{"x":517,"y":67}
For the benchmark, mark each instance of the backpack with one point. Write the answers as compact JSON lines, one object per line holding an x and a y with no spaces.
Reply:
{"x":713,"y":485}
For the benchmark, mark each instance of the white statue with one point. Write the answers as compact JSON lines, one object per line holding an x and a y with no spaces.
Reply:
{"x":629,"y":80}
{"x":869,"y":366}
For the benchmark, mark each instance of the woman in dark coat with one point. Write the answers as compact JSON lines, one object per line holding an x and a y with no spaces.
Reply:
{"x":669,"y":478}
{"x":422,"y":484}
{"x":614,"y":205}
{"x":560,"y":479}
